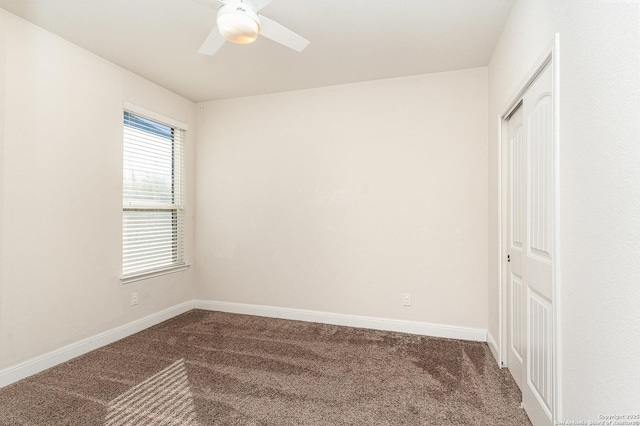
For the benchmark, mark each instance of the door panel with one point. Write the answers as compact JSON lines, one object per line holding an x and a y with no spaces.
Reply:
{"x":538,"y":258}
{"x":517,"y":233}
{"x":531,"y":241}
{"x":541,"y":165}
{"x":539,"y":379}
{"x":516,"y":331}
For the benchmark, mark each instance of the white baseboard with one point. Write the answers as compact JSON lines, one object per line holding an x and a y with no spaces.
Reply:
{"x":412,"y":327}
{"x":35,"y":365}
{"x":493,"y":346}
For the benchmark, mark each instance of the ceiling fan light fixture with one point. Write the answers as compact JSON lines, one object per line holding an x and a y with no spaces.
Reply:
{"x":238,"y":23}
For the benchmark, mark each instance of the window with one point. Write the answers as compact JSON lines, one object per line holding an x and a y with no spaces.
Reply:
{"x":152,"y":210}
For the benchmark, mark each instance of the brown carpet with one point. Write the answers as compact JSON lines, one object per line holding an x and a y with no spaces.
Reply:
{"x":204,"y":368}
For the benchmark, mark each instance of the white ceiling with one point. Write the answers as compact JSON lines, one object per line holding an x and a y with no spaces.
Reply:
{"x":351,"y":41}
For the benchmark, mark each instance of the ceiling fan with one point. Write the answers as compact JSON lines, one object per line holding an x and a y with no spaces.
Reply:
{"x":238,"y":22}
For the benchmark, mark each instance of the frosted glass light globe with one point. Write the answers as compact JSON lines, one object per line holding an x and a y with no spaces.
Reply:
{"x":238,"y":28}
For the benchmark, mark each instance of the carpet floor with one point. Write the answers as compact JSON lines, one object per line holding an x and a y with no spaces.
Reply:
{"x":206,"y":368}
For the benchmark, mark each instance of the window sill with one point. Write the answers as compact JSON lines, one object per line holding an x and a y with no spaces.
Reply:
{"x":152,"y":274}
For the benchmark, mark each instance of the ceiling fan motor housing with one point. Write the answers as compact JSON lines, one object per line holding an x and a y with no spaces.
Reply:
{"x":238,"y":22}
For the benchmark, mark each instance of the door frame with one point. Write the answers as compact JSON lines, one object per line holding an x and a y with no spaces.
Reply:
{"x":550,"y":57}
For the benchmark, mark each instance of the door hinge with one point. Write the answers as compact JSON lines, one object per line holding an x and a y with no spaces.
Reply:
{"x":508,"y":258}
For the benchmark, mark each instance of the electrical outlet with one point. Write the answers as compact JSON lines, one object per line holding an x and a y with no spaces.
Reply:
{"x":134,"y":298}
{"x":406,"y":299}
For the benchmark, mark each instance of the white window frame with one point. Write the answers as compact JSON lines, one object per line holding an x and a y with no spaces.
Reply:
{"x":178,"y":182}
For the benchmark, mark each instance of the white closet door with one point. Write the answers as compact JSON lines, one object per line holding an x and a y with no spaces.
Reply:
{"x":538,"y":257}
{"x":531,"y":239}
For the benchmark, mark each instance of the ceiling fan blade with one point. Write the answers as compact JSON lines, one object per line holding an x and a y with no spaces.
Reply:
{"x":213,"y":42}
{"x":258,"y":4}
{"x":276,"y":32}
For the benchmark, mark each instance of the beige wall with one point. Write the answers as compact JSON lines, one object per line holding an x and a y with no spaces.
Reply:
{"x":340,"y":199}
{"x":62,"y":194}
{"x":600,"y":190}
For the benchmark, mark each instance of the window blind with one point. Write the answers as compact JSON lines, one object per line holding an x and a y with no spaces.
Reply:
{"x":153,"y":217}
